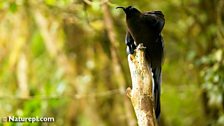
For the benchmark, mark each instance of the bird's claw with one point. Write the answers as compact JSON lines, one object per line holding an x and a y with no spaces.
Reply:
{"x":141,"y":46}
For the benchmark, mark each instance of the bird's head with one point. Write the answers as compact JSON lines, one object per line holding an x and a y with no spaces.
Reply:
{"x":130,"y":11}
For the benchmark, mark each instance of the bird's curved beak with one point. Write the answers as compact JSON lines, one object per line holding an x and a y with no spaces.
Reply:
{"x":121,"y":8}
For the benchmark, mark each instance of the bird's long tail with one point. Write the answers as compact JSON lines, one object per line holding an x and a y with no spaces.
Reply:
{"x":157,"y":83}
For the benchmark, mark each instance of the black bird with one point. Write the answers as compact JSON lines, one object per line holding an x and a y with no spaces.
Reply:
{"x":146,"y":28}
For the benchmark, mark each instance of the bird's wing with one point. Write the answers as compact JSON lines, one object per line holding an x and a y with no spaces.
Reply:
{"x":155,"y":12}
{"x":154,"y":18}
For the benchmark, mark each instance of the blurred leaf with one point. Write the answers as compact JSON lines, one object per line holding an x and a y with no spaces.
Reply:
{"x":96,"y":6}
{"x":218,"y":55}
{"x":50,"y":2}
{"x":32,"y":107}
{"x":13,"y":7}
{"x":83,"y":121}
{"x":37,"y":44}
{"x":221,"y":120}
{"x":97,"y":25}
{"x":3,"y":4}
{"x":191,"y":55}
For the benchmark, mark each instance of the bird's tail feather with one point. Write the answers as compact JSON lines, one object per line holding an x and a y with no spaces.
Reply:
{"x":157,"y":83}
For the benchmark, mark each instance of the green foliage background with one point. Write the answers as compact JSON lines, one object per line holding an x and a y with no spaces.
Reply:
{"x":66,"y":59}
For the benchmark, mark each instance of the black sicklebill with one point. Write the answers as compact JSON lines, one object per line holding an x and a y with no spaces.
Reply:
{"x":146,"y":28}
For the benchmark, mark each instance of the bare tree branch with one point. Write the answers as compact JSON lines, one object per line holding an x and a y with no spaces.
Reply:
{"x":141,"y":93}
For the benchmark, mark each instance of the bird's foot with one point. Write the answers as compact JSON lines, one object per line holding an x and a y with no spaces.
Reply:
{"x":141,"y":46}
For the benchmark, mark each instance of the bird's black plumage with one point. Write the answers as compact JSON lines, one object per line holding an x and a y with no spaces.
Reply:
{"x":146,"y":28}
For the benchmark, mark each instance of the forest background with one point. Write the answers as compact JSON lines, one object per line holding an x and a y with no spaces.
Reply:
{"x":67,"y":59}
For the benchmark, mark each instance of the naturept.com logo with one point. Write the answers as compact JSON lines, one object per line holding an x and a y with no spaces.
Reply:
{"x":27,"y":119}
